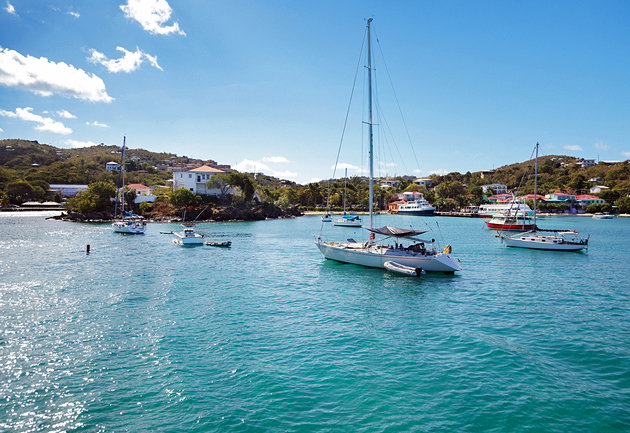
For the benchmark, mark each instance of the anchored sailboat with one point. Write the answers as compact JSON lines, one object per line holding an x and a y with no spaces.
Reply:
{"x":556,"y":240}
{"x":375,"y":253}
{"x":347,"y":220}
{"x":128,"y":221}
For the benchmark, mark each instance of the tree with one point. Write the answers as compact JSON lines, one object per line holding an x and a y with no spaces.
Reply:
{"x":184,"y":197}
{"x":221,"y":182}
{"x":96,"y":199}
{"x":623,"y":204}
{"x":19,"y":191}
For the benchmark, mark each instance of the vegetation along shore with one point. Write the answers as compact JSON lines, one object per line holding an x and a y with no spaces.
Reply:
{"x":84,"y":180}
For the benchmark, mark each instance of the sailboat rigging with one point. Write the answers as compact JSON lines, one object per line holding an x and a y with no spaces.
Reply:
{"x":375,"y":253}
{"x":128,"y":221}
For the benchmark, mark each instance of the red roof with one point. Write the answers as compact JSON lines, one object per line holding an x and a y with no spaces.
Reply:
{"x":531,"y":197}
{"x":206,"y":169}
{"x":137,"y":186}
{"x":587,"y":197}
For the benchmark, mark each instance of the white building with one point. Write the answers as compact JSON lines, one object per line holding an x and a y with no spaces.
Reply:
{"x":497,"y":188}
{"x":195,"y":180}
{"x":111,"y":166}
{"x":423,"y":182}
{"x":586,"y":163}
{"x":143,"y":193}
{"x":597,"y":189}
{"x":67,"y":190}
{"x":410,"y":196}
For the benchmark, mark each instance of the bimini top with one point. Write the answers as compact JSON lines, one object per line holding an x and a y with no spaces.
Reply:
{"x":350,"y":217}
{"x":397,"y":232}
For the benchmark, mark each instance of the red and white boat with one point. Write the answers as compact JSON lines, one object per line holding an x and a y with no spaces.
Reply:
{"x":514,"y":205}
{"x":518,"y":222}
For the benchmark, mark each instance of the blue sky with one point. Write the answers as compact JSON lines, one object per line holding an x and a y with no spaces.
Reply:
{"x":264,"y":85}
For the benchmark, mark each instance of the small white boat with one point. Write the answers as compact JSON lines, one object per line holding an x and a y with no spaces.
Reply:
{"x":188,"y":236}
{"x":563,"y":241}
{"x":603,"y":216}
{"x":130,"y":224}
{"x":402,"y":269}
{"x":326,"y":218}
{"x":348,"y":221}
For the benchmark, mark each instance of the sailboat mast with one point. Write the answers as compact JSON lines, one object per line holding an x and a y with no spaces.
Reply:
{"x":535,"y":185}
{"x":345,"y":191}
{"x":369,"y":52}
{"x":123,"y":177}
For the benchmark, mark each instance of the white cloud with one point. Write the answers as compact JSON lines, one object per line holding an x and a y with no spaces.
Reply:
{"x":77,"y":143}
{"x":601,"y":146}
{"x":251,"y":166}
{"x":129,"y":62}
{"x":10,"y":9}
{"x":1,"y":130}
{"x":626,"y":154}
{"x":44,"y":77}
{"x":247,"y":165}
{"x":439,"y":171}
{"x":573,"y":147}
{"x":314,"y":180}
{"x":344,"y":165}
{"x":152,"y":16}
{"x":65,"y":114}
{"x":45,"y":123}
{"x":276,"y":159}
{"x":387,"y":164}
{"x":96,"y":123}
{"x":74,"y":14}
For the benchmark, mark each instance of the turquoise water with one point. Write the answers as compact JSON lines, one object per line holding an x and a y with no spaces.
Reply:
{"x":144,"y":335}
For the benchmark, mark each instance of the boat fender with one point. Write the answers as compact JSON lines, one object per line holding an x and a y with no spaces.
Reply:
{"x":447,"y":249}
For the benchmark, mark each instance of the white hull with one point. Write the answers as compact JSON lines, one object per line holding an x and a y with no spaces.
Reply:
{"x":376,"y":256}
{"x":131,"y":227}
{"x":542,"y":243}
{"x":188,"y":241}
{"x":347,"y":223}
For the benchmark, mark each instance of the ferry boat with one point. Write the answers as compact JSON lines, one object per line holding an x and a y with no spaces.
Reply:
{"x":514,"y":206}
{"x":416,"y":207}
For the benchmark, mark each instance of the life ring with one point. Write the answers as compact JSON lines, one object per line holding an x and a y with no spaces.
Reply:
{"x":447,"y":249}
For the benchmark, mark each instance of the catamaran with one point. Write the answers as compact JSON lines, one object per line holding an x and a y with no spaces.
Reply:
{"x":557,"y":240}
{"x":128,"y":221}
{"x":374,"y":253}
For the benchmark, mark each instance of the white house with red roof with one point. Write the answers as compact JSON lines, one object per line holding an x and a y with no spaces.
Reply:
{"x":195,"y":180}
{"x":143,"y":193}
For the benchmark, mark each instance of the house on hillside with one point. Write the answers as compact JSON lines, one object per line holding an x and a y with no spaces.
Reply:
{"x":585,"y":199}
{"x":584,"y":163}
{"x":112,"y":166}
{"x":597,"y":189}
{"x":559,"y":197}
{"x":497,"y":188}
{"x":388,"y":183}
{"x":143,"y":193}
{"x":195,"y":180}
{"x":424,"y":182}
{"x":67,"y":190}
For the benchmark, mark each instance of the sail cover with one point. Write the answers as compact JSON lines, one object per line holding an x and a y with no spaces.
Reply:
{"x":397,"y":232}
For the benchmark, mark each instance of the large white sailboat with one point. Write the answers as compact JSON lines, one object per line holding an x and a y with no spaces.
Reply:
{"x":374,"y":253}
{"x":555,"y":240}
{"x":128,"y":222}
